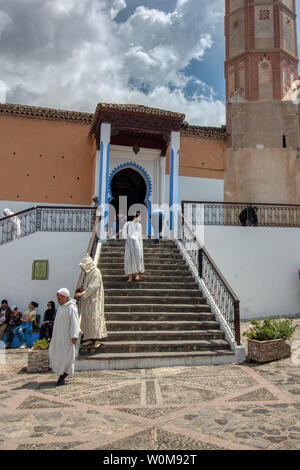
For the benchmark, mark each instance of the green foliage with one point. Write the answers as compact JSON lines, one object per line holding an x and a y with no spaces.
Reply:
{"x":269,"y":328}
{"x":41,"y":344}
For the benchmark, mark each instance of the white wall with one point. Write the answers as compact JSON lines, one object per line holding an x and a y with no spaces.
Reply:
{"x":64,"y":252}
{"x":201,"y":189}
{"x":261,"y":265}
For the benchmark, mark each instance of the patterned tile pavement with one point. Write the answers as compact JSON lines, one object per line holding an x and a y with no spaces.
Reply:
{"x":234,"y":407}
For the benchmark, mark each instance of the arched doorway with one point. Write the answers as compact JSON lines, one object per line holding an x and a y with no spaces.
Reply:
{"x":130,"y":183}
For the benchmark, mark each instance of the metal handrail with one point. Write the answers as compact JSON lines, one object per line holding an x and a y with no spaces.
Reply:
{"x":224,"y":296}
{"x":46,"y":218}
{"x":228,"y":214}
{"x":17,"y":214}
{"x":240,"y":203}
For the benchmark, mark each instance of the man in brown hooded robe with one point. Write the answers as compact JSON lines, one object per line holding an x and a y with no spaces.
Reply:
{"x":92,"y":323}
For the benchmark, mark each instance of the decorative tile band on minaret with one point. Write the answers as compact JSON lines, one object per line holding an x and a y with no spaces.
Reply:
{"x":261,"y":49}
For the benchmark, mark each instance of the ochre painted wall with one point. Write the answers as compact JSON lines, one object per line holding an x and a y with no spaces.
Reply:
{"x":200,"y":158}
{"x":46,"y":161}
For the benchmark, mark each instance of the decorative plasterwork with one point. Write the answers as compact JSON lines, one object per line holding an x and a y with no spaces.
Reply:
{"x":135,"y":117}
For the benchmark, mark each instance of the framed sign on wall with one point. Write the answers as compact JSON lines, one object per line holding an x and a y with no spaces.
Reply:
{"x":40,"y":269}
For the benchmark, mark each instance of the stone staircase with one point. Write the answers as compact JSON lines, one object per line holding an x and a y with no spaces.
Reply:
{"x":161,"y":320}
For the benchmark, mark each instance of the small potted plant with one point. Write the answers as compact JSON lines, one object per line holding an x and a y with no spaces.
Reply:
{"x":267,"y":339}
{"x":38,"y":360}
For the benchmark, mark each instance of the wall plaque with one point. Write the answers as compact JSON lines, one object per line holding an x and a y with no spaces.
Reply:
{"x":40,"y":269}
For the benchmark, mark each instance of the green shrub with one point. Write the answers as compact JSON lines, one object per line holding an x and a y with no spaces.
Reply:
{"x":41,"y":344}
{"x":268,"y":328}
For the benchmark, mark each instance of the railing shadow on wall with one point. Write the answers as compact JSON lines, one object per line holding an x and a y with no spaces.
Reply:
{"x":46,"y":219}
{"x":228,"y":213}
{"x":221,"y":292}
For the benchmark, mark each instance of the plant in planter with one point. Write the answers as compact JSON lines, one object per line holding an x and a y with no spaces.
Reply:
{"x":267,"y":339}
{"x":41,"y":344}
{"x":38,"y":360}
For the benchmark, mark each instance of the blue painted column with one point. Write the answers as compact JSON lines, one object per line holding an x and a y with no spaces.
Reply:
{"x":174,"y":183}
{"x":105,"y":132}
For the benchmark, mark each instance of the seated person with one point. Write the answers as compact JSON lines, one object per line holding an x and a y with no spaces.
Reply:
{"x":248,"y":216}
{"x":48,"y":321}
{"x":4,"y":316}
{"x":13,"y":322}
{"x":27,"y":320}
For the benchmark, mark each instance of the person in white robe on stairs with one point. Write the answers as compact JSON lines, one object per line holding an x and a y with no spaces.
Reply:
{"x":92,"y":320}
{"x":134,"y":256}
{"x":64,"y":337}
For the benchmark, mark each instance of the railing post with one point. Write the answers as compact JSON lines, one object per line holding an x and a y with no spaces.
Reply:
{"x":38,"y":219}
{"x":237,"y":322}
{"x":200,"y":263}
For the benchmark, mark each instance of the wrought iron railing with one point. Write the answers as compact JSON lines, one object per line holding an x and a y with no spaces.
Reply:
{"x":46,"y":219}
{"x":228,"y":213}
{"x":223,"y":295}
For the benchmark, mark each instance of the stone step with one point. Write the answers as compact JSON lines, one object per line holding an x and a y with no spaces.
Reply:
{"x":118,"y":260}
{"x":121,"y":283}
{"x":145,"y":360}
{"x":153,"y":300}
{"x":150,"y":273}
{"x":174,"y":308}
{"x":146,"y":243}
{"x":146,"y":248}
{"x":131,"y":292}
{"x":150,"y":266}
{"x":161,"y":325}
{"x":161,"y":316}
{"x":147,"y":254}
{"x":147,"y":278}
{"x":160,"y":346}
{"x":163,"y":335}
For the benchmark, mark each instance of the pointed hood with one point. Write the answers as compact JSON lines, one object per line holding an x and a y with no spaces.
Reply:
{"x":87,"y":264}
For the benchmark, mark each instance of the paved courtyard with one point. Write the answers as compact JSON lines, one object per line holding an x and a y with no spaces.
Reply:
{"x":246,"y":406}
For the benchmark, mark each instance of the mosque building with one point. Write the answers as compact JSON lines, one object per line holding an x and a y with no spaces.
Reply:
{"x":54,"y":157}
{"x":153,"y":156}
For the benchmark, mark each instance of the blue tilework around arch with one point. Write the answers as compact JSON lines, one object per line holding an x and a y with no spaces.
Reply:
{"x":144,"y":173}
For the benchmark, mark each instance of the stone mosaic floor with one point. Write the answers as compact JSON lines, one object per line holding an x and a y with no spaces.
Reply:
{"x":234,"y":406}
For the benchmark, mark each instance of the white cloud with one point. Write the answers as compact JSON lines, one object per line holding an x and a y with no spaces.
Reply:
{"x":72,"y":54}
{"x":5,"y":22}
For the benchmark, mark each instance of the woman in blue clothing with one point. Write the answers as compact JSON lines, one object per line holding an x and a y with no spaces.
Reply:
{"x":27,"y":320}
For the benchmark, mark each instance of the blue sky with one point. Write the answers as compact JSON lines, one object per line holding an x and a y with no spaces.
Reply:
{"x":72,"y":54}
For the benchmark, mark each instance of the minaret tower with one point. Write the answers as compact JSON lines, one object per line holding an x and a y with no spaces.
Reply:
{"x":262,"y":116}
{"x":261,"y":49}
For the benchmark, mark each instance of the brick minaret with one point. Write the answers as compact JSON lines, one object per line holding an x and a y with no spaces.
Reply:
{"x":262,"y":114}
{"x":261,"y":49}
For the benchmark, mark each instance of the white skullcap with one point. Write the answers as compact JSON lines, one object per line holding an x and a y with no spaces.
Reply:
{"x":13,"y":307}
{"x":64,"y":291}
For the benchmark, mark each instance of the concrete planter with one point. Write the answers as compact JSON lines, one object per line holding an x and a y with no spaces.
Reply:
{"x":265,"y":351}
{"x":38,"y":360}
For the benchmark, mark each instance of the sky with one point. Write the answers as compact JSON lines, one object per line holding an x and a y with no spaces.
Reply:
{"x":73,"y":54}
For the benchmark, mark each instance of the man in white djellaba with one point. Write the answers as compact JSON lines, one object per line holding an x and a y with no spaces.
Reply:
{"x":134,"y":256}
{"x":92,"y":321}
{"x":12,"y":229}
{"x":64,"y":337}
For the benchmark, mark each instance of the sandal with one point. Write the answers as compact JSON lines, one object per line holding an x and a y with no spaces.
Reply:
{"x":129,"y":279}
{"x":136,"y":277}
